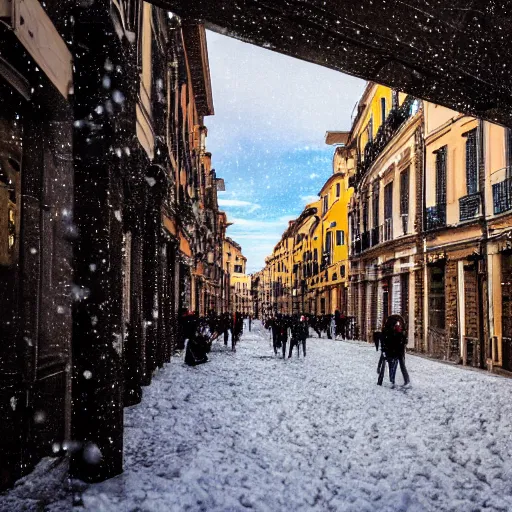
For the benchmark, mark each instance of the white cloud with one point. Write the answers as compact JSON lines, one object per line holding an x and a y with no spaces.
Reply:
{"x":238,"y":203}
{"x":314,"y":175}
{"x":308,"y":199}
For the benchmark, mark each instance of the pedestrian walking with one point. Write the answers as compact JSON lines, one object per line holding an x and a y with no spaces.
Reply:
{"x":393,"y":342}
{"x":282,"y":334}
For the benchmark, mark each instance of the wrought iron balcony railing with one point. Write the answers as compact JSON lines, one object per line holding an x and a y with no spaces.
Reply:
{"x":396,"y":118}
{"x":502,"y":196}
{"x":435,"y":216}
{"x":469,"y":206}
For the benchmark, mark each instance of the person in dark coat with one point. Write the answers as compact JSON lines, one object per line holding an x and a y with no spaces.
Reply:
{"x":282,"y":333}
{"x":393,"y":342}
{"x":299,"y":335}
{"x":316,"y":324}
{"x":225,"y":326}
{"x":197,"y":345}
{"x":274,"y":327}
{"x":326,"y":325}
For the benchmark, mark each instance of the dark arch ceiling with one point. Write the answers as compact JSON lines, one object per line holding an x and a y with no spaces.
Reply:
{"x":453,"y":52}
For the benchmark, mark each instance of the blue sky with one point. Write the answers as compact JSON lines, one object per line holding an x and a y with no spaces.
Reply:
{"x":267,"y":137}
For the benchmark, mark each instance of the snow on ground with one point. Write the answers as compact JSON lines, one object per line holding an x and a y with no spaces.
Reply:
{"x":250,"y":431}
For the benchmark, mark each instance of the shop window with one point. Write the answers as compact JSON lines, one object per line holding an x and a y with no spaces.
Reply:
{"x":436,"y":297}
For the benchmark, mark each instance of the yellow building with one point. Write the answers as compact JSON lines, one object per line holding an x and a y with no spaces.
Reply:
{"x":309,"y":265}
{"x":240,"y":297}
{"x":279,"y":263}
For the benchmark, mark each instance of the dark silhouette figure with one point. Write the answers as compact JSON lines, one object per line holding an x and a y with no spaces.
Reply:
{"x":299,"y":335}
{"x":197,"y":344}
{"x":393,"y":342}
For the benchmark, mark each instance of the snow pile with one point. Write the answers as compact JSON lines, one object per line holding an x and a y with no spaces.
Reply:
{"x":251,"y":431}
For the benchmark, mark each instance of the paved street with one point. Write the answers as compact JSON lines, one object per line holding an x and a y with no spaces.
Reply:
{"x":251,"y":431}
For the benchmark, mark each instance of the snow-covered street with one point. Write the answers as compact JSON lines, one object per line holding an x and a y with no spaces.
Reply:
{"x":249,"y":430}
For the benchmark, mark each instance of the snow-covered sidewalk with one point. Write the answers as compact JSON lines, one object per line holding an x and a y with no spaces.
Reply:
{"x":249,"y":430}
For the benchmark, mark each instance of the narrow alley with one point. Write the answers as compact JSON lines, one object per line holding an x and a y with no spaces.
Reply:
{"x":251,"y":431}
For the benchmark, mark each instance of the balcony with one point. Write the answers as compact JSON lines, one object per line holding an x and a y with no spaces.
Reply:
{"x":469,"y":206}
{"x":388,"y":229}
{"x":435,"y":217}
{"x":396,"y":118}
{"x":502,"y":196}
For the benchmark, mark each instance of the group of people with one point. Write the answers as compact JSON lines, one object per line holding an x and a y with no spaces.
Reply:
{"x":283,"y":327}
{"x":199,"y":332}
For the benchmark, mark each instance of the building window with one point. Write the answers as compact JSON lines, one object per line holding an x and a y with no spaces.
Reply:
{"x":238,"y":269}
{"x":338,"y":189}
{"x":375,"y":203}
{"x":326,"y":203}
{"x":471,"y":163}
{"x":342,"y":271}
{"x":365,"y":216}
{"x":508,"y":149}
{"x":383,"y":110}
{"x":370,"y":129}
{"x":404,"y":200}
{"x":441,"y":176}
{"x":388,"y":211}
{"x":340,"y":237}
{"x":328,"y":247}
{"x":415,"y":107}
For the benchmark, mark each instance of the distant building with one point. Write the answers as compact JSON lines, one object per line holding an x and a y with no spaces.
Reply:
{"x":240,"y":298}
